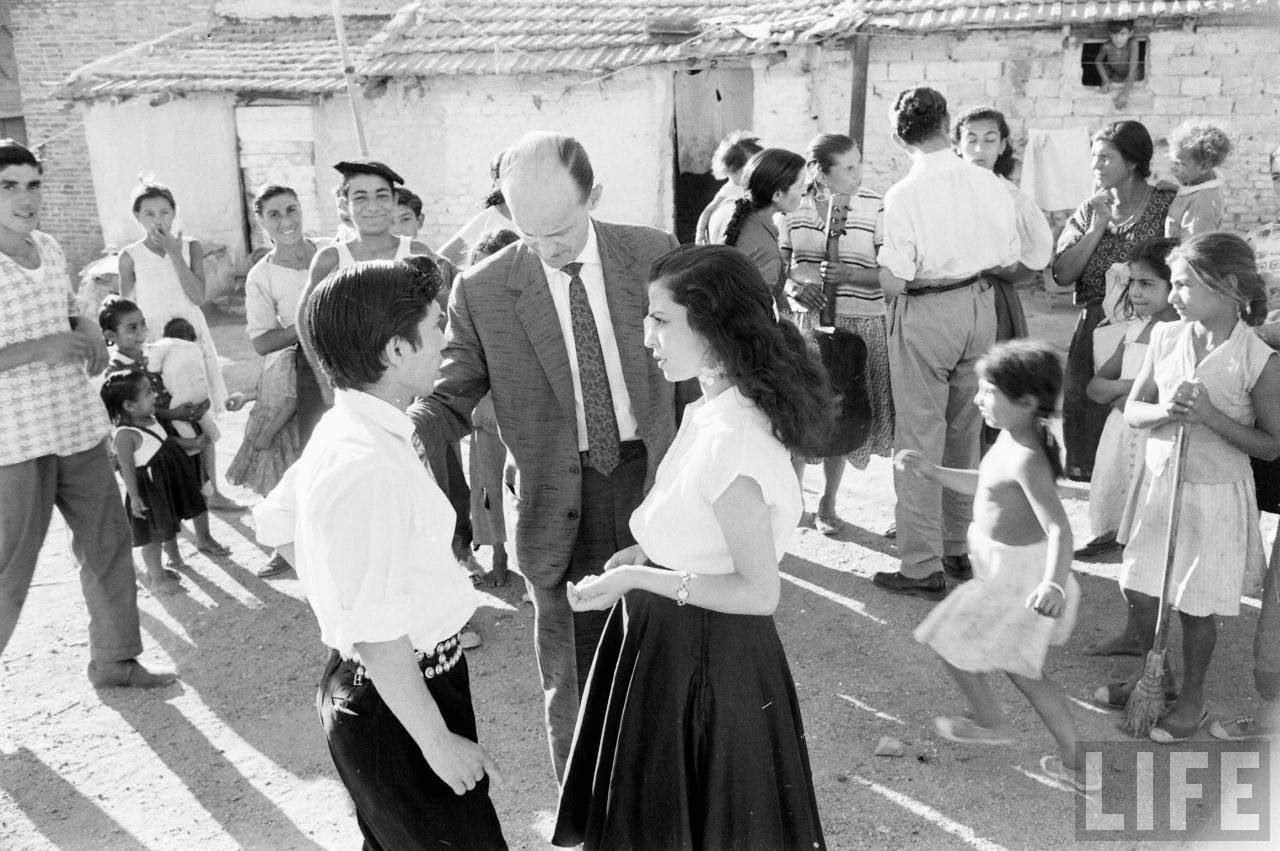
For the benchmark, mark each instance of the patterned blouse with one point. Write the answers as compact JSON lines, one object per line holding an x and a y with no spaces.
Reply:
{"x":1116,"y":243}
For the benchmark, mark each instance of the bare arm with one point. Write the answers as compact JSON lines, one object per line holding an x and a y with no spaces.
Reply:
{"x":1100,"y":65}
{"x":1036,"y":479}
{"x":62,"y":347}
{"x":457,"y":760}
{"x":951,"y":478}
{"x":752,"y":588}
{"x":274,"y":340}
{"x":190,"y":277}
{"x":125,"y":444}
{"x":273,"y":426}
{"x":128,"y":277}
{"x":1107,"y":385}
{"x":1143,"y":408}
{"x":1070,"y":263}
{"x":892,"y":285}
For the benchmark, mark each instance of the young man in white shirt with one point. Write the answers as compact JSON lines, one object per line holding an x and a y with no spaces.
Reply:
{"x":395,"y":698}
{"x":52,"y":432}
{"x":947,"y":225}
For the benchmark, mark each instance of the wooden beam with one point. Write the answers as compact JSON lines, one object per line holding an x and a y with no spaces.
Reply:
{"x":860,"y":52}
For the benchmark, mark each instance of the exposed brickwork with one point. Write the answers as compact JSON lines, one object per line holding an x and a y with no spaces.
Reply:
{"x":51,"y":39}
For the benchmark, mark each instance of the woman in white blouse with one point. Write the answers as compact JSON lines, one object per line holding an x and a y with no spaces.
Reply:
{"x":689,"y":733}
{"x":395,"y":697}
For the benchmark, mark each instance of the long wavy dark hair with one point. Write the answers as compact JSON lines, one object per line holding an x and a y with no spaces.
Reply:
{"x":1021,"y":368}
{"x":766,"y":173}
{"x":731,"y":307}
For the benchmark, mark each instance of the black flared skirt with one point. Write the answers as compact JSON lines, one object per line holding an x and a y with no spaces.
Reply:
{"x":689,"y":737}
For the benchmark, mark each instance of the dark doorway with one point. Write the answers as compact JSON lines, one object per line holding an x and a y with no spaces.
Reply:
{"x":710,"y":104}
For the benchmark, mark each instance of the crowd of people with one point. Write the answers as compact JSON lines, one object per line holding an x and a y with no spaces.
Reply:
{"x":647,"y":411}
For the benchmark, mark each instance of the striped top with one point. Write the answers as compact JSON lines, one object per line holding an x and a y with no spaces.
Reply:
{"x":805,"y":235}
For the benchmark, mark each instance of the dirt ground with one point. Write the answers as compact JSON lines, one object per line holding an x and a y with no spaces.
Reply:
{"x":234,"y":756}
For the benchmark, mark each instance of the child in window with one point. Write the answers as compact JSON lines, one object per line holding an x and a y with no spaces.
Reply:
{"x":1117,"y":60}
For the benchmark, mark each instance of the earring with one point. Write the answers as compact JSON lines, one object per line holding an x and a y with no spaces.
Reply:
{"x":712,"y":373}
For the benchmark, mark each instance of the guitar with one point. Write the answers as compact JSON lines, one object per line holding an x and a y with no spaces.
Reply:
{"x":837,"y":215}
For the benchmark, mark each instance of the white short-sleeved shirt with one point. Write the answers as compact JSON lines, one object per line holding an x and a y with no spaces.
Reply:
{"x":181,"y":367}
{"x":371,"y":530}
{"x":45,"y":408}
{"x":947,"y":219}
{"x":720,"y":439}
{"x":1034,"y":235}
{"x":271,"y":294}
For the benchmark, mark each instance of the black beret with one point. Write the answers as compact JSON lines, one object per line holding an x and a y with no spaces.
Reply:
{"x":366,"y":166}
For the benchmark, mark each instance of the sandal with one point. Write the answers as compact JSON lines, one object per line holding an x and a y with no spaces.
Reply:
{"x":1083,"y":781}
{"x":966,"y":731}
{"x":1167,"y":736}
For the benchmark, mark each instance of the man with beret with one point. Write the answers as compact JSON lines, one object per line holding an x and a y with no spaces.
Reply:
{"x":553,"y":327}
{"x":369,"y":188}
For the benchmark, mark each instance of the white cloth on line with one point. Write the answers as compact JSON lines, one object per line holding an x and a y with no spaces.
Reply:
{"x":1056,"y":169}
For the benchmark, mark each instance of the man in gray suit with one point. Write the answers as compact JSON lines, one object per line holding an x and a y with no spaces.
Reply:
{"x":553,"y":326}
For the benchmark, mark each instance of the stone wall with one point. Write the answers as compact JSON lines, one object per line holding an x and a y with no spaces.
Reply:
{"x":52,"y":38}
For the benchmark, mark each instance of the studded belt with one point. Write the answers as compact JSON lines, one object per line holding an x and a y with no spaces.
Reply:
{"x":432,"y":663}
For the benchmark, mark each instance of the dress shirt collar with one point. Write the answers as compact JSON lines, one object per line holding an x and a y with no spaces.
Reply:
{"x":704,"y":408}
{"x":933,"y":160}
{"x":588,"y":256}
{"x":382,"y":414}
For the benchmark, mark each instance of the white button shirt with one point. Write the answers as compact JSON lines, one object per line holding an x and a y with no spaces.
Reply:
{"x":371,"y":531}
{"x":947,"y":219}
{"x":592,"y":275}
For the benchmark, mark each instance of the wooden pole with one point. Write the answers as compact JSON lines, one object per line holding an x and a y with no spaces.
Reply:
{"x":349,"y":74}
{"x":860,"y":51}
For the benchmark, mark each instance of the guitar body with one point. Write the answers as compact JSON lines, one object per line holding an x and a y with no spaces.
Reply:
{"x":844,"y":353}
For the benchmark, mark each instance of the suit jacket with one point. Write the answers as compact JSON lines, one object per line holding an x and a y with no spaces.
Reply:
{"x":503,"y":336}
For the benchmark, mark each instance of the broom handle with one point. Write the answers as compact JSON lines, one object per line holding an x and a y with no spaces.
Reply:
{"x":1171,"y":535}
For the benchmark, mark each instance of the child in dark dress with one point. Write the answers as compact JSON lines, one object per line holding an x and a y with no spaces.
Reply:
{"x":125,"y":330}
{"x":161,"y":485}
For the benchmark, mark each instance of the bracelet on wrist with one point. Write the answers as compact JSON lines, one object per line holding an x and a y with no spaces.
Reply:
{"x":682,"y":592}
{"x":1056,"y":587}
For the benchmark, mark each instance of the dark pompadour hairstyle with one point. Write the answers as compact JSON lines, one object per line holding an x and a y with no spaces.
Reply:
{"x":356,"y":311}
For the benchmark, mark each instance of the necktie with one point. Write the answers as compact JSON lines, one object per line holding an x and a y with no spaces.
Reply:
{"x":597,"y":399}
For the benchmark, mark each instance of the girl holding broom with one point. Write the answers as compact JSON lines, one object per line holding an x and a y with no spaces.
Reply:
{"x":1022,"y":598}
{"x":1212,"y":376}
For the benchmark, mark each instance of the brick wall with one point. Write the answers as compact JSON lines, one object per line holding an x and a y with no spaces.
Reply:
{"x":1220,"y":73}
{"x":52,"y":38}
{"x":441,"y":133}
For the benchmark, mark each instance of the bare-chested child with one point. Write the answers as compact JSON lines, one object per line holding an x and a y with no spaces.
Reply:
{"x":1022,"y":598}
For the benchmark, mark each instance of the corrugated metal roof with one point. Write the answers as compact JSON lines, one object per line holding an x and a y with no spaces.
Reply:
{"x":299,"y":54}
{"x":287,"y":56}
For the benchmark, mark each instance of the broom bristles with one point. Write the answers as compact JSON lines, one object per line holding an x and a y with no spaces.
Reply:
{"x":1146,"y":703}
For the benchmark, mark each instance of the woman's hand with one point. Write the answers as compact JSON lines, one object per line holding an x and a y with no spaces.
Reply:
{"x":596,"y":593}
{"x":138,"y":508}
{"x":235,"y":401}
{"x":1047,"y":600}
{"x":911,"y":461}
{"x":460,"y":762}
{"x":631,"y":555}
{"x":1100,"y":204}
{"x":809,"y":296}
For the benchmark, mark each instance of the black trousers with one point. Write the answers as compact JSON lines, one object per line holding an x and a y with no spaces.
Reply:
{"x":400,"y":802}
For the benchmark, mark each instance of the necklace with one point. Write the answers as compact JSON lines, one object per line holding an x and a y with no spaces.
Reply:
{"x":1119,"y":223}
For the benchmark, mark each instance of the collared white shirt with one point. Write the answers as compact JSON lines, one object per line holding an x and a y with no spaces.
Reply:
{"x":371,"y":531}
{"x":592,"y":274}
{"x":947,"y":219}
{"x":271,"y":294}
{"x":47,"y":408}
{"x":720,"y":439}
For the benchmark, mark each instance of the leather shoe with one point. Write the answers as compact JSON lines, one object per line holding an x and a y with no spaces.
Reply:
{"x":126,"y":674}
{"x":932,"y":587}
{"x":958,"y":567}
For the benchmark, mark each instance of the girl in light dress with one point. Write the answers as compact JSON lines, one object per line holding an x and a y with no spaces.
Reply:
{"x":1142,"y":302}
{"x":1023,"y":597}
{"x":163,"y":273}
{"x":1213,"y":376}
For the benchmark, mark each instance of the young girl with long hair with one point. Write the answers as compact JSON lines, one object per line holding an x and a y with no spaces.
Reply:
{"x":1023,"y":597}
{"x":692,"y":602}
{"x":773,"y":181}
{"x":1211,"y":379}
